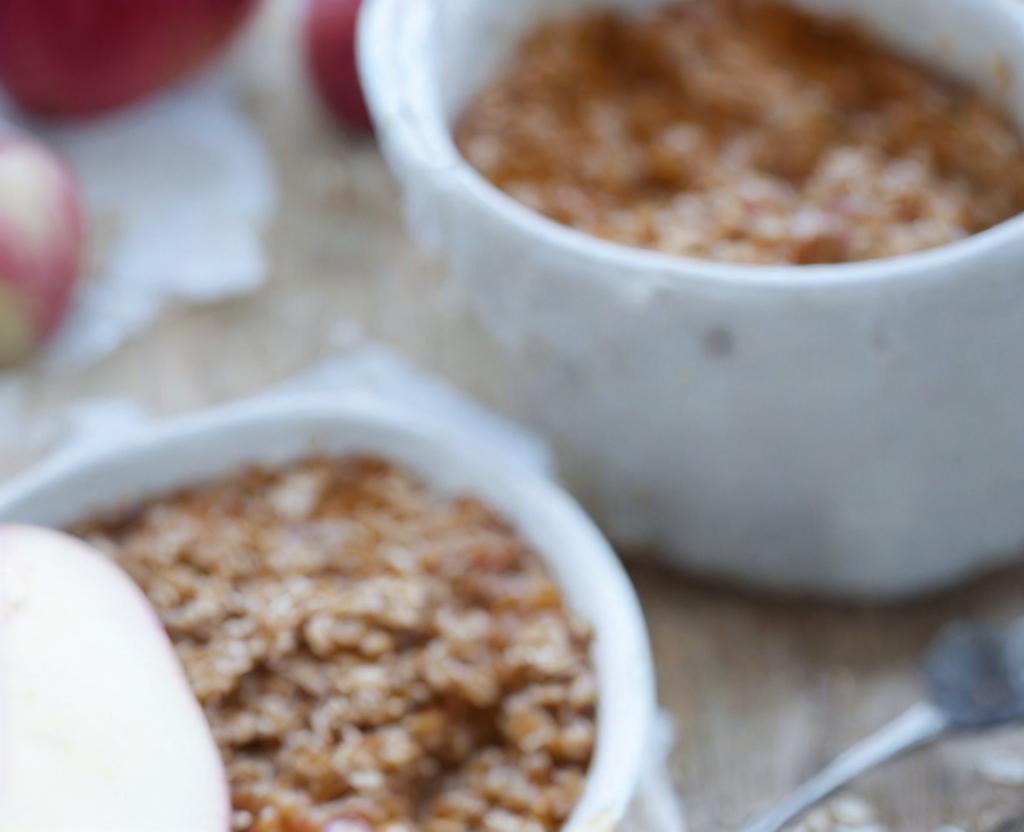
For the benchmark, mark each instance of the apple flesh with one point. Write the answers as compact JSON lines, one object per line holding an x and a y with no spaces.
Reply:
{"x":331,"y":55}
{"x":84,"y":57}
{"x":41,"y":231}
{"x":99,"y":731}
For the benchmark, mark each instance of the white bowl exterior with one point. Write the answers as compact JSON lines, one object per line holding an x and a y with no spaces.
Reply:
{"x":193,"y":449}
{"x":844,"y":430}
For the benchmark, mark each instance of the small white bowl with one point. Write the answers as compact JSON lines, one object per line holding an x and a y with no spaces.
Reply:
{"x":848,"y":430}
{"x":196,"y":448}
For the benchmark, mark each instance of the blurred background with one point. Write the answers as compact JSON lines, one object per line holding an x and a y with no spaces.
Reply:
{"x":337,"y":265}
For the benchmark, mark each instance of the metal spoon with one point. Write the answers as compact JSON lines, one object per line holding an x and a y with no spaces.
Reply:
{"x":1015,"y":825}
{"x":974,"y":679}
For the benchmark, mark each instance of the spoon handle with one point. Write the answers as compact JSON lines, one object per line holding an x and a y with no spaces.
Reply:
{"x":921,"y":724}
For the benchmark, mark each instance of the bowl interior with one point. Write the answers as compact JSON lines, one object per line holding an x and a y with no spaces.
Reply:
{"x":980,"y":42}
{"x":194,"y":449}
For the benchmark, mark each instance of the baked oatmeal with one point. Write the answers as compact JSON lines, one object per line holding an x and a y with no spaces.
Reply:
{"x":743,"y":131}
{"x":369,"y":655}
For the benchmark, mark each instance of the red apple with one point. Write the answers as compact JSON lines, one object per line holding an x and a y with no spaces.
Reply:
{"x":331,"y":54}
{"x":41,"y":243}
{"x":82,"y":57}
{"x":101,"y":730}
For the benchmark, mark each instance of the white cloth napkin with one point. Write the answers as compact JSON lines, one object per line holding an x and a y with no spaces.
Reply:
{"x":379,"y":374}
{"x":177,"y":193}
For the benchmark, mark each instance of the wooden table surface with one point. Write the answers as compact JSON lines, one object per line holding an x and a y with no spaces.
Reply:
{"x":764,"y":691}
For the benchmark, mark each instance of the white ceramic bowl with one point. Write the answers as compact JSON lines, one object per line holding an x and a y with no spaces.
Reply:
{"x":848,"y":430}
{"x":193,"y":449}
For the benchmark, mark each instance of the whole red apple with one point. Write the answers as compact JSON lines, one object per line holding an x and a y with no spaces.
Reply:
{"x":40,"y":245}
{"x":83,"y":57}
{"x":331,"y":54}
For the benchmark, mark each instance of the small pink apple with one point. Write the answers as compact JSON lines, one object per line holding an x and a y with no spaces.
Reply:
{"x":100,"y":730}
{"x":331,"y":54}
{"x":41,"y":241}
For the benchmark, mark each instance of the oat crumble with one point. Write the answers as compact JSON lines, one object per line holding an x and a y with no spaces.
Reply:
{"x":742,"y":131}
{"x":370,"y":656}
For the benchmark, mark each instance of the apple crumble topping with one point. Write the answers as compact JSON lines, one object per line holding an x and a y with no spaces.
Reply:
{"x":742,"y":131}
{"x":369,"y":655}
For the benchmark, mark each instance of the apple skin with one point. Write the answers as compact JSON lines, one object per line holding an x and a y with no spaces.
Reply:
{"x":75,"y":58}
{"x":331,"y":57}
{"x":101,"y":730}
{"x":41,"y":244}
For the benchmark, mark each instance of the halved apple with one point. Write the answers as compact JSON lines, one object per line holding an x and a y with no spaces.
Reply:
{"x":99,"y":731}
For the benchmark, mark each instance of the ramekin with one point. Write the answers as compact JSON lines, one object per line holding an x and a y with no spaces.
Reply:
{"x":849,"y":430}
{"x":196,"y":448}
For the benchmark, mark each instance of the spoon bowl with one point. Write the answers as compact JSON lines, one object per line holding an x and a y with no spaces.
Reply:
{"x":975,"y":675}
